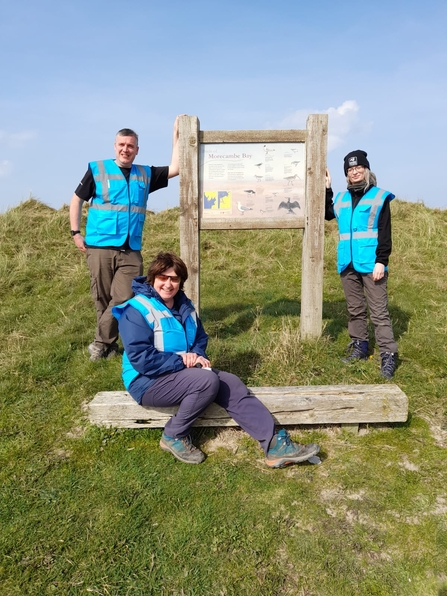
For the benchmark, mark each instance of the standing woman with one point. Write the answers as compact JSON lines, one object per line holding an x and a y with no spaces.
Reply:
{"x":364,"y":221}
{"x":164,"y":344}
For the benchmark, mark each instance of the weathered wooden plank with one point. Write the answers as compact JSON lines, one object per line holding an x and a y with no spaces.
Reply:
{"x":253,"y":136}
{"x":253,"y":223}
{"x":313,"y":237}
{"x":189,"y":203}
{"x":327,"y":404}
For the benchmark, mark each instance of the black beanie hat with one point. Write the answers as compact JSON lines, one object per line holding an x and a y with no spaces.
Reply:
{"x":356,"y":158}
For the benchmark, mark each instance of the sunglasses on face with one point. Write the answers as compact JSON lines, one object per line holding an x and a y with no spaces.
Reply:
{"x":175,"y":279}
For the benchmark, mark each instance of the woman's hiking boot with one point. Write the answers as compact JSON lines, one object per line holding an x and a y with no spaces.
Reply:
{"x":283,"y":451}
{"x":359,"y":351}
{"x":182,"y":449}
{"x":389,"y":363}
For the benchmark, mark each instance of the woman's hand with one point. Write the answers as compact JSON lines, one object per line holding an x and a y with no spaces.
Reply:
{"x":328,"y":179}
{"x":190,"y":359}
{"x":378,"y":272}
{"x":203,"y":361}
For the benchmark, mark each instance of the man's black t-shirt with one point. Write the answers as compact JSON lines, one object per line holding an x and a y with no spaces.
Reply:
{"x":86,"y":188}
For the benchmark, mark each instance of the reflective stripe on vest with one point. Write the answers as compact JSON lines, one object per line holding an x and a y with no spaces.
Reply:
{"x":169,"y":333}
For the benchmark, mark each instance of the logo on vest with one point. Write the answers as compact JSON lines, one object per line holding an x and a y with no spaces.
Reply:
{"x":352,"y":161}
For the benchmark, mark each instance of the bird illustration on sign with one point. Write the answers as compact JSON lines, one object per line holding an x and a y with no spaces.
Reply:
{"x":243,"y":208}
{"x":290,"y":179}
{"x":289,"y":205}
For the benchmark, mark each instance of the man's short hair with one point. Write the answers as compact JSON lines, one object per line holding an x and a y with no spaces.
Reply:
{"x":127,"y":132}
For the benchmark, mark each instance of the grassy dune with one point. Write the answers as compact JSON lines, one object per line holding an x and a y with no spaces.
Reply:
{"x":85,"y":510}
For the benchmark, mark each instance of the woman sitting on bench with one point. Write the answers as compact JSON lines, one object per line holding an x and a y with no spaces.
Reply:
{"x":165,"y":365}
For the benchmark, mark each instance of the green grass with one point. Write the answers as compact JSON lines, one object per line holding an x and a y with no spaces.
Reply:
{"x":85,"y":510}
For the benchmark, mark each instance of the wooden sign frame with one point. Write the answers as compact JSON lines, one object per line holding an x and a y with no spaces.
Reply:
{"x":312,"y":223}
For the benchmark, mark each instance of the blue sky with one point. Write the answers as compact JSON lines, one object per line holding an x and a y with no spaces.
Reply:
{"x":73,"y":73}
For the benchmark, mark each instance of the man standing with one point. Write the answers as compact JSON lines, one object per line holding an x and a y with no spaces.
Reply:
{"x":118,"y":190}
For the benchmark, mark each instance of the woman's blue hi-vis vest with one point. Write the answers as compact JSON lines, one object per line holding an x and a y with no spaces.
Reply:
{"x":169,"y":333}
{"x":358,"y":229}
{"x":118,"y":209}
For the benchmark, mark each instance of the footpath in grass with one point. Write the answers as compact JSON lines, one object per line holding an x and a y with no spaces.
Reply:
{"x":85,"y":510}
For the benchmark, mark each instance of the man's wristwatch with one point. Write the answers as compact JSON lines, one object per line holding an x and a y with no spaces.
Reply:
{"x":74,"y":232}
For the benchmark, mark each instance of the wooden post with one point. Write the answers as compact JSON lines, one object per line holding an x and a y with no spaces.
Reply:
{"x":313,"y":236}
{"x":189,"y":203}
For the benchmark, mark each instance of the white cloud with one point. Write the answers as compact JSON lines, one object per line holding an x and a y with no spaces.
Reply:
{"x":16,"y":139}
{"x":5,"y":168}
{"x":343,"y":121}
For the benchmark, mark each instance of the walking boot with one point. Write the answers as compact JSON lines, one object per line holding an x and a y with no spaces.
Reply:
{"x":97,"y":351}
{"x":389,"y":363}
{"x":283,"y":451}
{"x":182,"y":449}
{"x":359,"y":351}
{"x":112,"y":351}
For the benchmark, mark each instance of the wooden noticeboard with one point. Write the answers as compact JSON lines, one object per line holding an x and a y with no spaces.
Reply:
{"x":256,"y":179}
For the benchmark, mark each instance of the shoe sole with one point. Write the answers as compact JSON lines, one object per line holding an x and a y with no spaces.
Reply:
{"x":165,"y":447}
{"x":282,"y":462}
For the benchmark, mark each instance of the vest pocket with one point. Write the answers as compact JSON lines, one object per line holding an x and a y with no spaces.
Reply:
{"x":103,"y":223}
{"x":137,"y":223}
{"x":343,"y":254}
{"x":143,"y":189}
{"x":365,"y":254}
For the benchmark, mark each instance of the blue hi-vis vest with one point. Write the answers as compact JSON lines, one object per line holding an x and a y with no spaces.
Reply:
{"x":169,"y":333}
{"x":358,"y":229}
{"x":118,"y":209}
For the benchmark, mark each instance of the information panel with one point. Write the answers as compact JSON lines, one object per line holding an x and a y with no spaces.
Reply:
{"x":254,"y":180}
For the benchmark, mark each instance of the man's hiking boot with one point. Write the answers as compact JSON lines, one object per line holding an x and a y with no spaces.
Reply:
{"x":359,"y":351}
{"x":389,"y":363}
{"x":112,"y":351}
{"x":283,"y":451}
{"x":182,"y":449}
{"x":97,"y":351}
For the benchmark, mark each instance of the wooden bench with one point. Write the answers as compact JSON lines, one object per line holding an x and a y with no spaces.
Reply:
{"x":347,"y":405}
